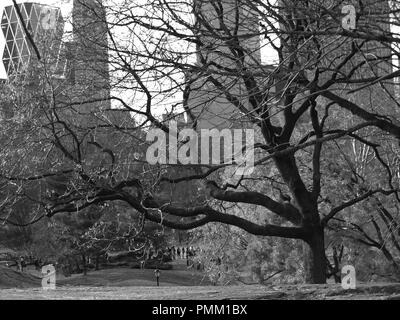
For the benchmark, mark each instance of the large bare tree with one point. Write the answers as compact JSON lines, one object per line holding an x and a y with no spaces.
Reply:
{"x":288,"y":69}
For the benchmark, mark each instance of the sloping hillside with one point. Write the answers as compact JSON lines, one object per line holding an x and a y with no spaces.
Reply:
{"x":125,"y":277}
{"x":10,"y":278}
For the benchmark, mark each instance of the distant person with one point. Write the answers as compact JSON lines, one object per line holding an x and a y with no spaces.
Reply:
{"x":157,"y":273}
{"x":22,"y":264}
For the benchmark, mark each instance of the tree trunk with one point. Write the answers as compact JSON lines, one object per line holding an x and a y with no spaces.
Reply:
{"x":314,"y":258}
{"x":97,"y":268}
{"x":77,"y":266}
{"x":84,"y":264}
{"x":391,"y":259}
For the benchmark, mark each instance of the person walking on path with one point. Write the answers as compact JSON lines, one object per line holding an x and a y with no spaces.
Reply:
{"x":21,"y":264}
{"x":157,"y":273}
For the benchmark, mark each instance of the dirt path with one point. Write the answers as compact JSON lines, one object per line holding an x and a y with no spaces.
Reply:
{"x":377,"y":292}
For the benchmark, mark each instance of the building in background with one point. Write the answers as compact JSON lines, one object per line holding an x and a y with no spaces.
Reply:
{"x":77,"y":66}
{"x":207,"y":104}
{"x":83,"y":60}
{"x":45,"y":24}
{"x":90,"y":54}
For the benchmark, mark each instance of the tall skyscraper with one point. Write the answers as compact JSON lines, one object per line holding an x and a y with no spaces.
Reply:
{"x":91,"y":63}
{"x":88,"y":85}
{"x":45,"y":25}
{"x":220,"y":24}
{"x":328,"y":50}
{"x":75,"y":68}
{"x":84,"y":60}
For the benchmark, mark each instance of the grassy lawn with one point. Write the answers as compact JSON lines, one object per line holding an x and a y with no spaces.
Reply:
{"x":133,"y":284}
{"x":125,"y":277}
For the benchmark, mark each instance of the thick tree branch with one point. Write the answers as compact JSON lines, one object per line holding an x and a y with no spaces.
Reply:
{"x":286,"y":211}
{"x":352,"y":202}
{"x":379,"y":121}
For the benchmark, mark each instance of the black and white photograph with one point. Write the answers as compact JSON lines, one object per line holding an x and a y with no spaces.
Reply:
{"x":199,"y":156}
